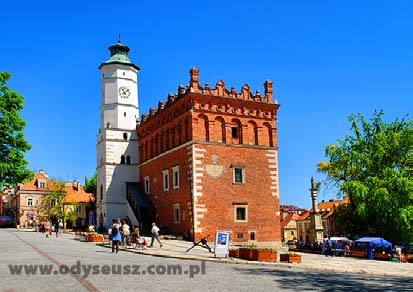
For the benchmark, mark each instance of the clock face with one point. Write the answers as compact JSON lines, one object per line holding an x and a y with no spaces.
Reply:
{"x":124,"y":92}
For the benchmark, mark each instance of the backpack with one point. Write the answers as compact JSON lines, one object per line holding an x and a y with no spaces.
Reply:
{"x":114,"y":231}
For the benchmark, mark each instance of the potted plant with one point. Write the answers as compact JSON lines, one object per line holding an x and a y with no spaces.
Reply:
{"x":246,"y":253}
{"x":264,"y":254}
{"x":95,"y":237}
{"x":233,"y":253}
{"x":290,"y":257}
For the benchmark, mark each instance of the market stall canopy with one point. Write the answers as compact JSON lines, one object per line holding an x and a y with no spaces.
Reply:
{"x":377,"y":241}
{"x":5,"y":220}
{"x":334,"y":238}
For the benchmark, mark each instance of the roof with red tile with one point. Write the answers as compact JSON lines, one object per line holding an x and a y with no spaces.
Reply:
{"x":290,"y":208}
{"x":77,"y":196}
{"x":74,"y":190}
{"x":33,"y":185}
{"x":326,"y":209}
{"x":290,"y":217}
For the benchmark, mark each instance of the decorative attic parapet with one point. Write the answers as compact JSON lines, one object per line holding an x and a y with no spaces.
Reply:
{"x":219,"y":91}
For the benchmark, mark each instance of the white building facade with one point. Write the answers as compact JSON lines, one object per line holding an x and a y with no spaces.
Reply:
{"x":117,"y":141}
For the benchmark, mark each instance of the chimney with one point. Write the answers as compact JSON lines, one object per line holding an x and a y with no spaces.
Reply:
{"x":43,"y":172}
{"x":194,"y":82}
{"x":268,"y":90}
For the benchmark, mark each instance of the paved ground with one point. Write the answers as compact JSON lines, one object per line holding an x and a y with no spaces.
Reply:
{"x":314,"y":262}
{"x":95,"y":268}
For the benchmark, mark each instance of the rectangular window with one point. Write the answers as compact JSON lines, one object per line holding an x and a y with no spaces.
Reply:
{"x":42,"y":184}
{"x":238,"y":175}
{"x":175,"y":177}
{"x":241,"y":213}
{"x":78,"y":209}
{"x":30,"y":202}
{"x":147,"y":186}
{"x":234,"y":132}
{"x":165,"y":175}
{"x":292,"y":232}
{"x":176,"y":213}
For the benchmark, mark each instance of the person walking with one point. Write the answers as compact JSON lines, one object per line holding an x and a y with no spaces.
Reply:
{"x":56,"y":228}
{"x":398,"y":251}
{"x":47,"y":227}
{"x":125,"y":233}
{"x":115,"y":235}
{"x":60,"y":228}
{"x":155,"y":235}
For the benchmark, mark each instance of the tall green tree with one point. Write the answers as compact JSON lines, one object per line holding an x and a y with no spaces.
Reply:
{"x":55,"y":200}
{"x":371,"y":169}
{"x":13,"y":166}
{"x":90,"y":184}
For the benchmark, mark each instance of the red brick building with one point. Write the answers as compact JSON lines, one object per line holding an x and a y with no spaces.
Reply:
{"x":209,"y":161}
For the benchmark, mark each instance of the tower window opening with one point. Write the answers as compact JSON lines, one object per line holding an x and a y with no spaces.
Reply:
{"x":124,"y":114}
{"x":125,"y":136}
{"x":234,"y":131}
{"x":122,"y":159}
{"x":128,"y":159}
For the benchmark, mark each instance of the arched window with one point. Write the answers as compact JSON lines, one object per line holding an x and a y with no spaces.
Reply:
{"x":122,"y":159}
{"x":101,"y":192}
{"x":218,"y":130}
{"x":203,"y":130}
{"x":268,"y":135}
{"x":167,"y":147}
{"x":128,"y":159}
{"x":186,"y":130}
{"x":179,"y":134}
{"x":161,"y":145}
{"x":251,"y":135}
{"x":173,"y":137}
{"x":236,"y":131}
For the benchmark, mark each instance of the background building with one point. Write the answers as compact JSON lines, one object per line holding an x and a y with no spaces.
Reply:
{"x":326,"y":210}
{"x":28,"y":202}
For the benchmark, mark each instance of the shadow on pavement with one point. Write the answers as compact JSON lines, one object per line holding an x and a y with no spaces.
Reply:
{"x":331,"y":281}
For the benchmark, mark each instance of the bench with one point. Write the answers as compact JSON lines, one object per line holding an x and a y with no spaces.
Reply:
{"x":106,"y":238}
{"x":133,"y":240}
{"x":79,"y":235}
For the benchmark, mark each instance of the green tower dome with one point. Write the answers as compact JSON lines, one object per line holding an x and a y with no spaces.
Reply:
{"x":119,"y":55}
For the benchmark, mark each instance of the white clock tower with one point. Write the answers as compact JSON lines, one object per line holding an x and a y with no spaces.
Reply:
{"x":117,"y":141}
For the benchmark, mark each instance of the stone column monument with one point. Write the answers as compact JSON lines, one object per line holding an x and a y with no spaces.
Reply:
{"x":316,"y":227}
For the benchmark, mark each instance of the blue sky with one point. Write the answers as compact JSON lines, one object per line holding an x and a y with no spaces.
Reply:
{"x":327,"y":59}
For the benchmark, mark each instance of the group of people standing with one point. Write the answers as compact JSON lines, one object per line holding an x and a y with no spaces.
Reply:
{"x":48,"y":228}
{"x":120,"y":234}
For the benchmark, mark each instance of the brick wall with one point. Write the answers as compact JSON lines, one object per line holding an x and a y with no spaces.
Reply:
{"x":206,"y":133}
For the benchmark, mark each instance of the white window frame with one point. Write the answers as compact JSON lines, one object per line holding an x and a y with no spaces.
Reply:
{"x":78,"y":209}
{"x":147,"y":185}
{"x":165,"y":179}
{"x":30,"y":199}
{"x":175,"y":177}
{"x":242,"y":175}
{"x":177,"y":218}
{"x":245,"y":206}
